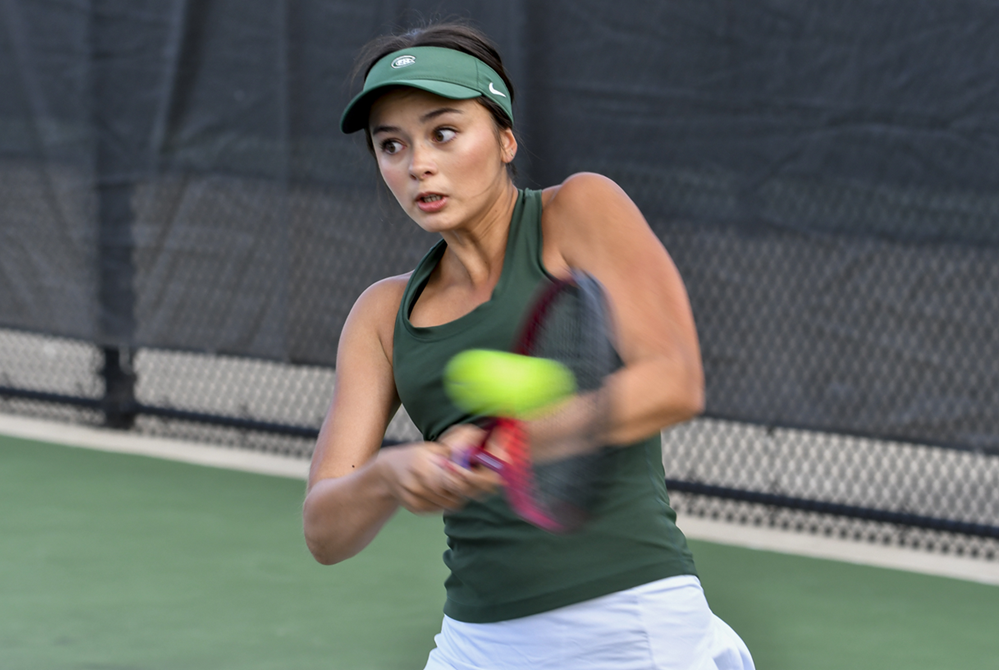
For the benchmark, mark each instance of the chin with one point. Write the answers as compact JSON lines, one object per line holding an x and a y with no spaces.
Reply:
{"x":433,"y":223}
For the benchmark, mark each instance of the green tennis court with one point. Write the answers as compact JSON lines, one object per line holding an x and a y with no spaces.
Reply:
{"x":111,"y":561}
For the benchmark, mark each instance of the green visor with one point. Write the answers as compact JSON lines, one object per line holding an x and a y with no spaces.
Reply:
{"x":446,"y":72}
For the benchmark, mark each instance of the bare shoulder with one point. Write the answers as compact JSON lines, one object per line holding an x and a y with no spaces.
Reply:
{"x":385,"y":294}
{"x":375,"y":310}
{"x":584,"y":190}
{"x":590,"y":214}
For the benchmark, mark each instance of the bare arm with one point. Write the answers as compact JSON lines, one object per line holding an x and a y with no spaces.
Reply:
{"x":592,"y":225}
{"x":354,"y":486}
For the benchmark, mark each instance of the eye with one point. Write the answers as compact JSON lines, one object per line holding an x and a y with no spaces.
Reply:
{"x":391,"y":147}
{"x":442,"y":135}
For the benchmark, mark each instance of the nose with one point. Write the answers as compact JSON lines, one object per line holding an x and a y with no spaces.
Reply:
{"x":421,"y":163}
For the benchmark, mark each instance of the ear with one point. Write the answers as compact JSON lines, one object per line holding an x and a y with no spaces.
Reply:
{"x":508,"y":144}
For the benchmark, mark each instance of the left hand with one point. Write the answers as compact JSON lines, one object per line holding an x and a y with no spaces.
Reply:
{"x":476,"y":482}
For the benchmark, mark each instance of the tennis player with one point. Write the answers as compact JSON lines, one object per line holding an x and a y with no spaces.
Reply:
{"x":620,"y":594}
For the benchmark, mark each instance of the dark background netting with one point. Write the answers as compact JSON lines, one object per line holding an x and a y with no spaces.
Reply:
{"x":183,"y":229}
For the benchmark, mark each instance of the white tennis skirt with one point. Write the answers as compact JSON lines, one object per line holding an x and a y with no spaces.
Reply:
{"x":660,"y":625}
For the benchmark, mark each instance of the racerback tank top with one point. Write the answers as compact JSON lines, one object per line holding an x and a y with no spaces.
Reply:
{"x":502,"y":567}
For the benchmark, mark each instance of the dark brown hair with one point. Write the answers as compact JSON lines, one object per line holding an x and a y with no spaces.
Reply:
{"x":455,"y":34}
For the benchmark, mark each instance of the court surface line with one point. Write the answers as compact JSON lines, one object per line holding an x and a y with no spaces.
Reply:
{"x":766,"y":539}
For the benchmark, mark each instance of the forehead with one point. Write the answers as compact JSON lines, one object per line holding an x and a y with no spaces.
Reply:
{"x":408,"y":105}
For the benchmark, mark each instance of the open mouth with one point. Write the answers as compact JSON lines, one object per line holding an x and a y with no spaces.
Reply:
{"x":433,"y":197}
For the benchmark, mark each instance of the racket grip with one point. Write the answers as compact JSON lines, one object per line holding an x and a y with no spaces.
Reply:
{"x":478,"y":455}
{"x":484,"y":458}
{"x":466,"y":457}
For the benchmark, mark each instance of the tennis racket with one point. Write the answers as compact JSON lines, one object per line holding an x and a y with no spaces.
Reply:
{"x":552,"y":462}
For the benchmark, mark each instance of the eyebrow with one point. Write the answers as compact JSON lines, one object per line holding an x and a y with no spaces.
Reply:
{"x":433,"y":114}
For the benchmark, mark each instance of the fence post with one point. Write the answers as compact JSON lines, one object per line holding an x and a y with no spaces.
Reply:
{"x":118,"y":402}
{"x":118,"y":144}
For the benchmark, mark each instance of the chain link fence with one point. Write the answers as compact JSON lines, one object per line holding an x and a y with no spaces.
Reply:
{"x":850,"y":487}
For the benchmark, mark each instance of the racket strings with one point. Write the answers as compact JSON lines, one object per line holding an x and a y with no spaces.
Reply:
{"x":571,"y":465}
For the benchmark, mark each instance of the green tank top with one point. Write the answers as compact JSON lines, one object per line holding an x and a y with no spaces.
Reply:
{"x":502,"y":567}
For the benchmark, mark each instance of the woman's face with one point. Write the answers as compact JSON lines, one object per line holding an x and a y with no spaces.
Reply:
{"x":444,"y":160}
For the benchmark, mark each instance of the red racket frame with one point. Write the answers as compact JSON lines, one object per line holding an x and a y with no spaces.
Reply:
{"x":509,"y":435}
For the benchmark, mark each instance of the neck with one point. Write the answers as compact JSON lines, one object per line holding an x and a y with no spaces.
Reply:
{"x":475,"y":252}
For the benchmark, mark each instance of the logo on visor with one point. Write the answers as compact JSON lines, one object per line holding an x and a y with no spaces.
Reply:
{"x":403,"y":61}
{"x":492,"y":89}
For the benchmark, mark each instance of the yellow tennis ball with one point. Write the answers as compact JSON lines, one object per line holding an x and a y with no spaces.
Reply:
{"x":497,"y":383}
